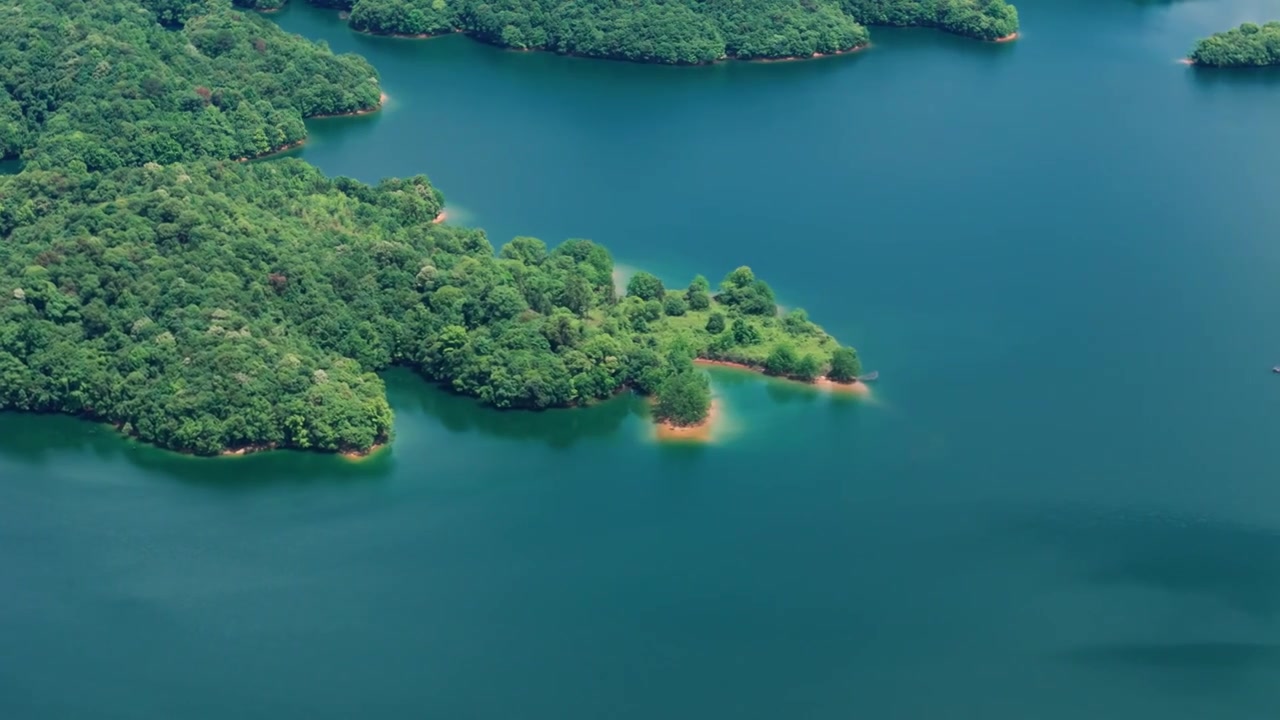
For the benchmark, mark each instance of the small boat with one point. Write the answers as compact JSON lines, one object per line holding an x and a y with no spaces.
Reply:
{"x":874,"y":374}
{"x":1276,"y":369}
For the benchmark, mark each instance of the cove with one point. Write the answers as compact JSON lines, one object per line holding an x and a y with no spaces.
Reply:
{"x":1060,"y":503}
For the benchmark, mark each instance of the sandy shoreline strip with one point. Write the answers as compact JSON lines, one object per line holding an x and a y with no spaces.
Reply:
{"x":794,"y":58}
{"x":356,"y":456}
{"x":246,"y":450}
{"x":822,"y":383}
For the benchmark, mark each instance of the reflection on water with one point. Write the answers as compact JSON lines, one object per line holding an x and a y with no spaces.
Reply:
{"x":1206,"y":78}
{"x":560,"y":428}
{"x":92,"y":448}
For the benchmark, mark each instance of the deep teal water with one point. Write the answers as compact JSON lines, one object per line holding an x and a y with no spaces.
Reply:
{"x":1062,"y":502}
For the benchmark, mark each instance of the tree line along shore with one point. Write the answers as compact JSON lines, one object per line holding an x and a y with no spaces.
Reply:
{"x":208,"y":306}
{"x":668,"y":31}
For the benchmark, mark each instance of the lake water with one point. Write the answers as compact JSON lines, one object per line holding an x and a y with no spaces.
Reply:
{"x":1061,"y":502}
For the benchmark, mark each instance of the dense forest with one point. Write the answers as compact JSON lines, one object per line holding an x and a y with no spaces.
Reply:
{"x":1249,"y":45}
{"x":203,"y":304}
{"x":214,"y":304}
{"x":101,"y":84}
{"x":671,"y":31}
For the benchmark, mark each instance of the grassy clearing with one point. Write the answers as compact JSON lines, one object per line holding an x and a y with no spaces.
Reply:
{"x":692,"y":328}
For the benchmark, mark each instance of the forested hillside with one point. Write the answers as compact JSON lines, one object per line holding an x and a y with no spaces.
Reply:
{"x":671,"y":31}
{"x":101,"y":83}
{"x":1248,"y":45}
{"x":203,"y":304}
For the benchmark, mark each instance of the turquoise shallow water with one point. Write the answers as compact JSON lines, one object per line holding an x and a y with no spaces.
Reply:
{"x":1061,"y":502}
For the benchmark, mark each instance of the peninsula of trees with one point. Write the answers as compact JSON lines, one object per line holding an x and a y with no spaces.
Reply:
{"x":1249,"y":45}
{"x":204,"y":305}
{"x":670,"y":31}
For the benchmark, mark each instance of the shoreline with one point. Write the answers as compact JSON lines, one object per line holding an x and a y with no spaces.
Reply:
{"x":357,"y":455}
{"x":1005,"y":38}
{"x":701,"y":432}
{"x":240,"y":451}
{"x":353,"y":455}
{"x":794,"y":58}
{"x":444,"y":215}
{"x":382,"y":100}
{"x":821,"y":383}
{"x":722,"y":59}
{"x":274,"y":151}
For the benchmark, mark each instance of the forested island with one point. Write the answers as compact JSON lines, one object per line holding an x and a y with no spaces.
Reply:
{"x":102,"y":84}
{"x":982,"y":19}
{"x":670,"y":31}
{"x":1248,"y":45}
{"x":207,"y":305}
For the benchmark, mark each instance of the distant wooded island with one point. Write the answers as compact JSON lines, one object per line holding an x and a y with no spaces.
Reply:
{"x":1248,"y":45}
{"x":205,"y":305}
{"x":669,"y":31}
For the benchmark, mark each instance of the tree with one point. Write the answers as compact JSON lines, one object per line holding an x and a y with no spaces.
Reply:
{"x":807,"y":368}
{"x":738,"y":279}
{"x":577,"y":294}
{"x":645,"y":286}
{"x":715,"y":323}
{"x":528,"y":250}
{"x":741,"y":289}
{"x":797,"y":322}
{"x":674,"y":306}
{"x":781,"y":361}
{"x":697,"y":296}
{"x":845,"y":366}
{"x":744,"y":333}
{"x":683,"y":398}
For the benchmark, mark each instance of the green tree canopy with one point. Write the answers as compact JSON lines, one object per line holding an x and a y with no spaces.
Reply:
{"x":101,"y":84}
{"x":203,"y":304}
{"x":1248,"y":45}
{"x":683,"y":398}
{"x":845,"y":366}
{"x":645,"y":286}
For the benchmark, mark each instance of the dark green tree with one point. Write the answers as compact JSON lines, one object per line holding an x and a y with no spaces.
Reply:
{"x":845,"y":366}
{"x":807,"y":368}
{"x":698,"y":296}
{"x":744,"y":333}
{"x":683,"y":398}
{"x":781,"y":361}
{"x":645,"y":286}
